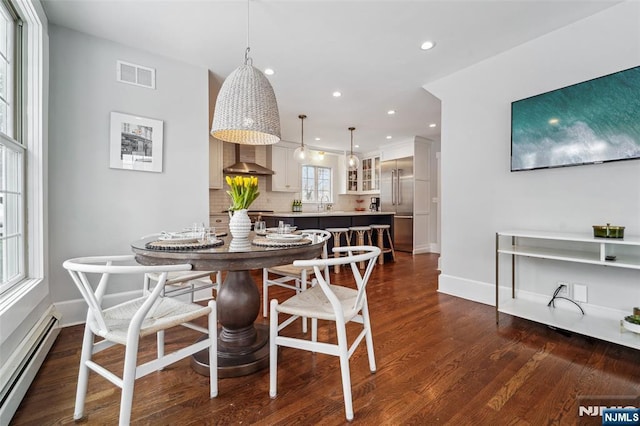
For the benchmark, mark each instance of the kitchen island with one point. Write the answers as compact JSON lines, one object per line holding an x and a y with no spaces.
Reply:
{"x":330,"y":219}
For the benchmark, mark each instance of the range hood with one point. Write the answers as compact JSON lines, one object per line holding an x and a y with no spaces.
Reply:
{"x":250,"y":167}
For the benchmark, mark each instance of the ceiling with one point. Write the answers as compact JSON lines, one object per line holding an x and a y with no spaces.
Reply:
{"x":368,"y":50}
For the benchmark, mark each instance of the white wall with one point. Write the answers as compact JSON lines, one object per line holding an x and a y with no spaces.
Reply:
{"x":481,"y":196}
{"x":97,"y":210}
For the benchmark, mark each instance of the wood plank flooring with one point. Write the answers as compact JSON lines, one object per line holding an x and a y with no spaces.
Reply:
{"x":441,"y":360}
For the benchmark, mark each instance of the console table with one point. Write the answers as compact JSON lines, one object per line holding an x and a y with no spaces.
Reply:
{"x":567,"y":247}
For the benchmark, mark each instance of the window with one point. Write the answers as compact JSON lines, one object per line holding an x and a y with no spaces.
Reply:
{"x":12,"y":153}
{"x":316,"y":184}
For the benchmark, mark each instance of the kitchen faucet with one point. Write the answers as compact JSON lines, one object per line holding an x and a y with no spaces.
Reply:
{"x":321,"y":205}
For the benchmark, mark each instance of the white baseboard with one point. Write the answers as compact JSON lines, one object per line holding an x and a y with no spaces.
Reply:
{"x":467,"y":289}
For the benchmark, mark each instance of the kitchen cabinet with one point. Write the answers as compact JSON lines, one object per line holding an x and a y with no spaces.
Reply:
{"x":216,"y":180}
{"x":370,"y":181}
{"x":364,"y":180}
{"x":352,"y":181}
{"x":580,"y":249}
{"x":287,"y":170}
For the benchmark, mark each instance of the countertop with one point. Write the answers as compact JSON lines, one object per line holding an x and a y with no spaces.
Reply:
{"x":327,"y":213}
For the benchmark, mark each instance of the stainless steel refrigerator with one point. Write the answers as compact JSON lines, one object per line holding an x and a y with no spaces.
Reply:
{"x":396,"y":195}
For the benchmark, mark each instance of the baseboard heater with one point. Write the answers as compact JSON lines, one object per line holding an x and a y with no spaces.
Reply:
{"x":32,"y":353}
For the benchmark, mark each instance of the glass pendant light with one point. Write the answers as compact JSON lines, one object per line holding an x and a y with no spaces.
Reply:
{"x":352,"y":161}
{"x":300,"y":154}
{"x":246,"y":109}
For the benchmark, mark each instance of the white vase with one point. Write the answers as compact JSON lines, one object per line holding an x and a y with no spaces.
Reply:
{"x":240,"y":224}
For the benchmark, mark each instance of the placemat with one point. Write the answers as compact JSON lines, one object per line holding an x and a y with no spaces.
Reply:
{"x":265,"y":242}
{"x":172,"y":245}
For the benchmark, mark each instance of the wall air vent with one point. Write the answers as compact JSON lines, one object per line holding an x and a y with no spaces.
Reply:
{"x":136,"y":74}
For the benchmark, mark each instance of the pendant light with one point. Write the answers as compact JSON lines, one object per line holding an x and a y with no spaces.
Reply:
{"x":352,"y":161}
{"x":246,"y":108}
{"x":300,"y":154}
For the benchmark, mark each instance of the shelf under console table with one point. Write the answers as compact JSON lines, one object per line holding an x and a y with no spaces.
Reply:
{"x":567,"y":247}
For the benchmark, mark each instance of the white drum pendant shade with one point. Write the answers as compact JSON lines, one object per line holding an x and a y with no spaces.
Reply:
{"x":246,"y":109}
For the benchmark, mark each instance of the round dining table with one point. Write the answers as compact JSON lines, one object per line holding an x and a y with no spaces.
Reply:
{"x":243,"y":346}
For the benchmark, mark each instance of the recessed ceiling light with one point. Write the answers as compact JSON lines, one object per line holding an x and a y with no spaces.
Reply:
{"x":432,"y":125}
{"x":356,"y":146}
{"x":391,"y":112}
{"x":427,"y":45}
{"x":269,"y":71}
{"x":389,"y":137}
{"x":337,"y":94}
{"x":317,"y":139}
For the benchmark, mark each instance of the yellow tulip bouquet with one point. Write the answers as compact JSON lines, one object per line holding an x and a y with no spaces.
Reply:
{"x":243,"y":192}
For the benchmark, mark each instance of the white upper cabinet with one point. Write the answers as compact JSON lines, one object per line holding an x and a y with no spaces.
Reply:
{"x":364,"y":180}
{"x":287,"y":170}
{"x":370,"y":175}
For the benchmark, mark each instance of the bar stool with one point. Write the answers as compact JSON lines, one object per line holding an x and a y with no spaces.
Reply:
{"x":337,"y":235}
{"x":360,"y":232}
{"x":381,"y":230}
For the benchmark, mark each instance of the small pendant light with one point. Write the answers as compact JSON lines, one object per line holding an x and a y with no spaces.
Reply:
{"x":300,"y":154}
{"x":246,"y":108}
{"x":352,"y":161}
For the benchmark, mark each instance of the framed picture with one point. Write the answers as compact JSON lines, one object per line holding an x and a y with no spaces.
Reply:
{"x":136,"y":143}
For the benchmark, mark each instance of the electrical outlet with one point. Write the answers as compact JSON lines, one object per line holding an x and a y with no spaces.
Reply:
{"x":580,"y":292}
{"x":566,"y":291}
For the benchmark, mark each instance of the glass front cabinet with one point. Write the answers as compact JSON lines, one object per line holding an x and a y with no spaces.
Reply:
{"x":352,"y":181}
{"x":364,"y":180}
{"x":371,"y":174}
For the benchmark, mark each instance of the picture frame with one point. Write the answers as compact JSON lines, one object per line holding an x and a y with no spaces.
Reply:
{"x":591,"y":122}
{"x":135,"y":143}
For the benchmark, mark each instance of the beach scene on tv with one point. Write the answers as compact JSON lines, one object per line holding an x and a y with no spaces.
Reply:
{"x":594,"y":121}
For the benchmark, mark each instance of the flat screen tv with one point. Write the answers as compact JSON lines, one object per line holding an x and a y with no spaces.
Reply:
{"x":595,"y":121}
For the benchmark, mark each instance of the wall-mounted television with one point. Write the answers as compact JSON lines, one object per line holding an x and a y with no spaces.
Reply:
{"x":592,"y":122}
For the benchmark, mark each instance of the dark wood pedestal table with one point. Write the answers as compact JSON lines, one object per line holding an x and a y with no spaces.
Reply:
{"x":243,"y":347}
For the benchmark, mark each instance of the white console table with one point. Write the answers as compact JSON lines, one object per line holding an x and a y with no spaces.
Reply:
{"x":567,"y":247}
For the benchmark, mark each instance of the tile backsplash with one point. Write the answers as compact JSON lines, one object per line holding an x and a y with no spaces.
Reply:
{"x":279,"y":201}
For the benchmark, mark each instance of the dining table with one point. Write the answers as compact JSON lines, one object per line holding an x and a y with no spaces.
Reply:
{"x":243,"y":344}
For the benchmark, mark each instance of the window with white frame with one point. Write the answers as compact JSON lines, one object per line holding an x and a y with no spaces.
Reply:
{"x":316,"y":184}
{"x":12,"y":152}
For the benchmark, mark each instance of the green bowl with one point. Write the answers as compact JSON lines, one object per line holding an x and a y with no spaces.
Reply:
{"x":608,"y":231}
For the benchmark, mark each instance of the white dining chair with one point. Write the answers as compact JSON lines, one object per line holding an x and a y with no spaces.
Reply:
{"x":179,"y":283}
{"x":329,"y":302}
{"x":293,"y":277}
{"x":129,"y":321}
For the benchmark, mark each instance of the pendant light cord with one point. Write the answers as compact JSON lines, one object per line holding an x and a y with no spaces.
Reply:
{"x":351,"y":129}
{"x":247,"y":59}
{"x":302,"y":117}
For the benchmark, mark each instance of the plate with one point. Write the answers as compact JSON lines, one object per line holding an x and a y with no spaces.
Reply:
{"x":631,"y":326}
{"x":284,"y":238}
{"x":177,"y":237}
{"x":275,"y":230}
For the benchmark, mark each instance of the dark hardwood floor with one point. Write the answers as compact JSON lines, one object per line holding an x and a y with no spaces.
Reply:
{"x":441,"y":360}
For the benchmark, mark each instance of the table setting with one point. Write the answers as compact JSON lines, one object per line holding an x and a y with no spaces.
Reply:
{"x":284,"y":235}
{"x":196,"y":237}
